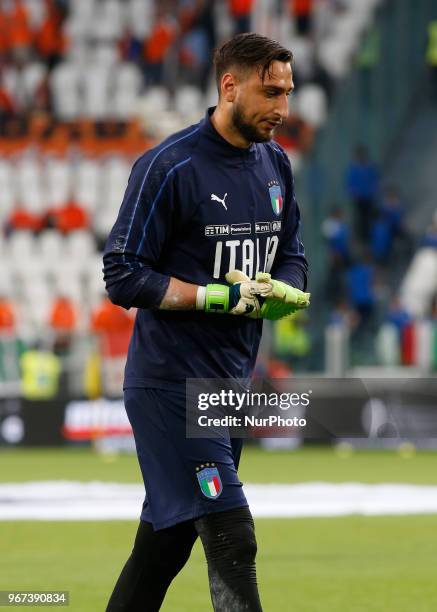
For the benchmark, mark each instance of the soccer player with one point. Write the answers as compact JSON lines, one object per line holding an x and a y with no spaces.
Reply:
{"x":214,"y":198}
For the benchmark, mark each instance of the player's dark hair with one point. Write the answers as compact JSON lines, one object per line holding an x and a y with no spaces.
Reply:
{"x":248,"y":51}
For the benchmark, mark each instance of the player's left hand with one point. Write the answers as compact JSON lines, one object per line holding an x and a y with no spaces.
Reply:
{"x":276,"y":298}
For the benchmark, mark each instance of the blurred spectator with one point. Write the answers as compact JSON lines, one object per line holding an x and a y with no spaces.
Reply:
{"x":241,"y":13}
{"x":397,"y":315}
{"x":336,"y":232}
{"x":63,"y":321}
{"x":107,"y":318}
{"x":68,"y":218}
{"x":22,"y":219}
{"x":19,"y":31}
{"x":130,"y":48}
{"x":430,"y":237}
{"x":50,"y":39}
{"x":7,"y":316}
{"x":295,"y":134}
{"x":157,"y":45}
{"x":302,"y":12}
{"x":114,"y":326}
{"x":7,"y":103}
{"x":389,"y":226}
{"x":362,"y":184}
{"x":360,"y":279}
{"x":198,"y":40}
{"x":342,"y":314}
{"x":381,"y":240}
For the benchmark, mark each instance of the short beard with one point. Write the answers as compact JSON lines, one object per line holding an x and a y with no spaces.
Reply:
{"x":248,"y":131}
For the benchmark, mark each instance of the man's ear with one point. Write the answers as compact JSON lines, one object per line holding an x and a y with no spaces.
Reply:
{"x":228,"y":87}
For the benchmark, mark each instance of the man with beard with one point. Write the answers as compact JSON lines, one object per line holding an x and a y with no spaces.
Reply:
{"x":214,"y":198}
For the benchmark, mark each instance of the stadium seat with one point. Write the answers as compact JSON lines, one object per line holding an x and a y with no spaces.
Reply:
{"x":58,"y":180}
{"x":189,"y":102}
{"x":21,"y":246}
{"x":87,"y":182}
{"x":80,"y":245}
{"x":96,"y":91}
{"x":108,"y":22}
{"x":31,"y":78}
{"x":128,"y":82}
{"x":7,"y":191}
{"x":312,"y":104}
{"x":50,"y":247}
{"x":140,"y":17}
{"x":65,"y":82}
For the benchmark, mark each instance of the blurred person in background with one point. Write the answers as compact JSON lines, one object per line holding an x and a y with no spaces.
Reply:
{"x":68,"y":218}
{"x":22,"y":219}
{"x":390,"y":226}
{"x":19,"y":32}
{"x":63,"y":320}
{"x":302,"y":11}
{"x":50,"y":39}
{"x":241,"y":14}
{"x":362,"y":185}
{"x":157,"y":45}
{"x":336,"y":232}
{"x":360,"y":283}
{"x":7,"y":316}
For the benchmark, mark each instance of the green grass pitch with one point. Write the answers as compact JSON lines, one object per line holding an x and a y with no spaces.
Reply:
{"x":342,"y":564}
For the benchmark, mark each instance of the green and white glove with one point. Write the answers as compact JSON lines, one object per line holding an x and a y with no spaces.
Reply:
{"x":241,"y":297}
{"x":276,"y":298}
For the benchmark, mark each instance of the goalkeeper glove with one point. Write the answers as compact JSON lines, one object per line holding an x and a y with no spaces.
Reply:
{"x":239,"y":298}
{"x":277,"y":299}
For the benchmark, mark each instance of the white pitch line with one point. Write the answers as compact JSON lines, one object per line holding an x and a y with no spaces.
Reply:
{"x":78,"y":501}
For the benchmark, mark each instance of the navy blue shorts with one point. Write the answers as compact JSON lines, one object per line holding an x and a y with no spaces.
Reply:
{"x":184,"y":478}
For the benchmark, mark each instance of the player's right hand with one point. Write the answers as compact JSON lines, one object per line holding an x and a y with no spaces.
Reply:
{"x":242,"y":297}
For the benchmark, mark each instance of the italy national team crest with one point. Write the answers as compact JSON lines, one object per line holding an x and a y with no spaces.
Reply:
{"x":209,"y":480}
{"x":276,"y":198}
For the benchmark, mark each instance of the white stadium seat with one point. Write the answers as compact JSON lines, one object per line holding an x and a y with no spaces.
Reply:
{"x":80,"y":245}
{"x":65,"y":82}
{"x":50,"y":247}
{"x":312,"y":104}
{"x":58,"y":180}
{"x":87,"y":183}
{"x":96,"y":91}
{"x":189,"y":101}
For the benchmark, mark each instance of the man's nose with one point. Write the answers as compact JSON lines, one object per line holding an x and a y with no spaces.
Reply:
{"x":282,"y":107}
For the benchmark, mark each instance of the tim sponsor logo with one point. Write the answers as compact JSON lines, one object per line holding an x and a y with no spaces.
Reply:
{"x":241,"y":228}
{"x":217,"y":230}
{"x":262,"y":227}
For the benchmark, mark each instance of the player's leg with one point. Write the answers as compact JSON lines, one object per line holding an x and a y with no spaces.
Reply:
{"x":229,"y":542}
{"x":157,"y":557}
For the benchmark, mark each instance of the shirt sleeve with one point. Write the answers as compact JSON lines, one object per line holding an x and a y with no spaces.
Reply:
{"x":136,"y":242}
{"x":290,"y":263}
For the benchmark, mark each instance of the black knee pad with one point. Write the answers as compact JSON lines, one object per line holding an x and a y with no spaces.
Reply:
{"x":229,"y":541}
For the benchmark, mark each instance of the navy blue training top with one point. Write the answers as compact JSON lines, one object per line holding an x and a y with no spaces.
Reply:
{"x":196,"y":207}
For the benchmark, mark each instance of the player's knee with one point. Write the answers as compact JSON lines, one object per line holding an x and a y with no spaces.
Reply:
{"x":228,"y":538}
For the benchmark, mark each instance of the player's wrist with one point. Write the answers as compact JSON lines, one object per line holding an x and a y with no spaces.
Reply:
{"x":213,"y":298}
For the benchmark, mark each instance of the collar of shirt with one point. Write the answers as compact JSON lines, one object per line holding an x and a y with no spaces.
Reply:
{"x":212,"y":143}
